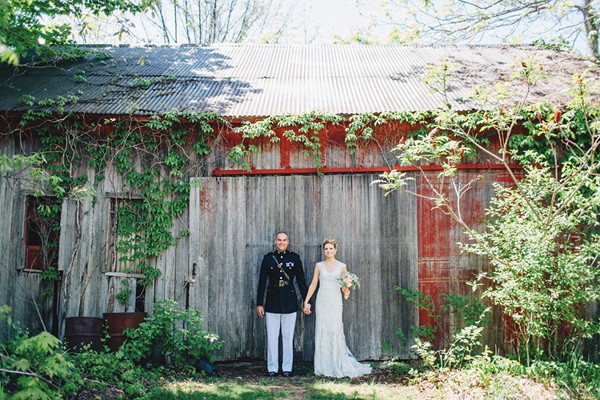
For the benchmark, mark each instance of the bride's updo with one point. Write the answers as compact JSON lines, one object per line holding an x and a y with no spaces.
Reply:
{"x":330,"y":240}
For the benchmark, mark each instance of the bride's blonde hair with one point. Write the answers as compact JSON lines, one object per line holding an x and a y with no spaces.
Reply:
{"x":330,"y":240}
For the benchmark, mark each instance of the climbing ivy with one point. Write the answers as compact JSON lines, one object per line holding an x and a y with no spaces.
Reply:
{"x":151,"y":157}
{"x":303,"y":129}
{"x":154,"y":157}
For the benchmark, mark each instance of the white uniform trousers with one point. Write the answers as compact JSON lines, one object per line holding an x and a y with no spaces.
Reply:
{"x":286,"y":323}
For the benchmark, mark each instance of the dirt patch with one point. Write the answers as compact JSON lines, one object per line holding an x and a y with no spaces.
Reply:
{"x":257,"y":371}
{"x":249,"y":380}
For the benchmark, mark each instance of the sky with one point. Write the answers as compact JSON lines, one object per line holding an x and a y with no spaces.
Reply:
{"x":343,"y":18}
{"x":335,"y":17}
{"x":312,"y":22}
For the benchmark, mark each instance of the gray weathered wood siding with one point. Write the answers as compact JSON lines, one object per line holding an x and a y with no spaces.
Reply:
{"x":21,"y":290}
{"x":387,"y":240}
{"x":87,"y":287}
{"x":235,"y":220}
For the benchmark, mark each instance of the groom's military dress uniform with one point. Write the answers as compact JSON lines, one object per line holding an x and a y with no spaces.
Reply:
{"x":281,"y":291}
{"x":278,"y":272}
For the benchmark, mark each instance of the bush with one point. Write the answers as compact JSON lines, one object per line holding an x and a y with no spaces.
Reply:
{"x":34,"y":367}
{"x":465,"y":310}
{"x":98,"y":370}
{"x":177,"y":336}
{"x":575,"y":378}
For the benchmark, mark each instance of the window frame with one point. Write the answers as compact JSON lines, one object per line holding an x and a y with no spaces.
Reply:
{"x":115,"y":266}
{"x":38,"y":254}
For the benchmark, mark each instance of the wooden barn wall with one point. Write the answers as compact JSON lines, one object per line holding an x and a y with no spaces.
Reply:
{"x":89,"y":287}
{"x":22,"y":290}
{"x":443,"y":269}
{"x":234,"y":220}
{"x":387,"y":240}
{"x":283,"y":156}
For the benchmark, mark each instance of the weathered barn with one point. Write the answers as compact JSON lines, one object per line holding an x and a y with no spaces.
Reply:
{"x":309,"y":187}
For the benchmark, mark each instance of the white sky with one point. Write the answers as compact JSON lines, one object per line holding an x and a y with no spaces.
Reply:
{"x":313,"y":22}
{"x":334,"y":17}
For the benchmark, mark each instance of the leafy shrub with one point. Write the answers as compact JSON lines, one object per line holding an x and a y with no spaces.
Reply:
{"x":466,"y":311}
{"x":459,"y":352}
{"x":542,"y":241}
{"x":34,"y":367}
{"x":575,"y":378}
{"x":541,"y":236}
{"x":98,"y":370}
{"x":176,"y":335}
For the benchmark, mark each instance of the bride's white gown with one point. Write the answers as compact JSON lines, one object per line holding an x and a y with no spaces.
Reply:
{"x":332,"y":356}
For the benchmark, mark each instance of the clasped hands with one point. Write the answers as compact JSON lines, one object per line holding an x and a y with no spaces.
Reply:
{"x":306,"y":309}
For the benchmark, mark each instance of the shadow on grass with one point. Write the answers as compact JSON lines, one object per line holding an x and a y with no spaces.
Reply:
{"x":220,"y":392}
{"x":324,"y":394}
{"x":228,"y":393}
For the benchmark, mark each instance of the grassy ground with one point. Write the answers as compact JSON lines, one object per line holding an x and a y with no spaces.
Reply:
{"x":248,"y":381}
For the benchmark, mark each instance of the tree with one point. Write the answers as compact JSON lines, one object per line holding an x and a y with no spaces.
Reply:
{"x":204,"y":22}
{"x":29,"y":26}
{"x":188,"y":22}
{"x":542,"y":235}
{"x":495,"y":20}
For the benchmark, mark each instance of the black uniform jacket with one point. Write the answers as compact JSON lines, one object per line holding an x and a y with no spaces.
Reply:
{"x":281,"y":297}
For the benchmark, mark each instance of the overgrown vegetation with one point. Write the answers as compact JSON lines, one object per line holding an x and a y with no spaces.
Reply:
{"x":30,"y":26}
{"x":464,"y":311}
{"x":39,"y":367}
{"x":171,"y":336}
{"x":541,"y":234}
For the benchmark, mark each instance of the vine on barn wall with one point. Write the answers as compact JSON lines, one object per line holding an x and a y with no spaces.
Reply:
{"x":153,"y":157}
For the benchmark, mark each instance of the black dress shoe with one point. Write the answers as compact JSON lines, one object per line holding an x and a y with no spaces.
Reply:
{"x":287,"y":374}
{"x":272,"y":374}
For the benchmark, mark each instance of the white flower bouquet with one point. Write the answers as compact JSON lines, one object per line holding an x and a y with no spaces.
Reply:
{"x":349,"y":281}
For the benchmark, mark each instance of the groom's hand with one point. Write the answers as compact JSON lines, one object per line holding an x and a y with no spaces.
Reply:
{"x":260,"y":311}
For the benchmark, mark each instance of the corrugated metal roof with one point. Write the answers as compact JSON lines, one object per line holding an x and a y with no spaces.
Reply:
{"x":260,"y":80}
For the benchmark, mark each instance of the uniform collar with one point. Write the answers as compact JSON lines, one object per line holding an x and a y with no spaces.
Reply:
{"x":281,"y":253}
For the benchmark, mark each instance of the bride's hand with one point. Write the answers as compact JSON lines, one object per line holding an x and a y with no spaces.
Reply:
{"x":346,"y":292}
{"x":307,"y":309}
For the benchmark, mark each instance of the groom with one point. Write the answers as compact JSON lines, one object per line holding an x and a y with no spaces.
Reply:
{"x":278,"y":272}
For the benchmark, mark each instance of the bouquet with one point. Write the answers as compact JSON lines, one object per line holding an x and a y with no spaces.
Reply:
{"x":348,"y":281}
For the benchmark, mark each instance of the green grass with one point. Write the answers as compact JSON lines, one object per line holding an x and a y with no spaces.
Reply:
{"x":485,"y":378}
{"x":271,"y":389}
{"x":226,"y":391}
{"x":347,"y":390}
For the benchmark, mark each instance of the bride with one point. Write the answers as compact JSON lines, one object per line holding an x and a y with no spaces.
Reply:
{"x":332,"y":356}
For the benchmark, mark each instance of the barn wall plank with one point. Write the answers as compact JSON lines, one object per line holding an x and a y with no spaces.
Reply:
{"x":308,"y":208}
{"x":23,"y":291}
{"x":387,"y":240}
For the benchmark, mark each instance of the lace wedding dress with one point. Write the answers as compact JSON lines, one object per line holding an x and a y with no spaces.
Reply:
{"x":332,"y":356}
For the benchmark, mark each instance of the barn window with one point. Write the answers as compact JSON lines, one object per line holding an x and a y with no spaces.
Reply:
{"x":42,"y":232}
{"x":126,"y":244}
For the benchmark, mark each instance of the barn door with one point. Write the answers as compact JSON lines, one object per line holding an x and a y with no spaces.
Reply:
{"x":233,"y":221}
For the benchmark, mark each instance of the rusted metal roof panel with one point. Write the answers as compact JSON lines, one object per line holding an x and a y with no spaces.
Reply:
{"x":260,"y":80}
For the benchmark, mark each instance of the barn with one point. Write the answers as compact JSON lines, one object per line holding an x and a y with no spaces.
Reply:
{"x":167,"y":171}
